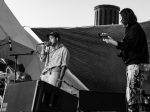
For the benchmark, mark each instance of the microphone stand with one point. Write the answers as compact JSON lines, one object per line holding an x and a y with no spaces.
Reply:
{"x":4,"y":44}
{"x":16,"y":58}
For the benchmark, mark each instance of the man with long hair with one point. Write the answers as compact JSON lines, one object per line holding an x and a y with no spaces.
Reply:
{"x":134,"y":52}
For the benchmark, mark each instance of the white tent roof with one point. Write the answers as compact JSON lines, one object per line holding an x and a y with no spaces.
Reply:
{"x":21,"y":41}
{"x":9,"y":26}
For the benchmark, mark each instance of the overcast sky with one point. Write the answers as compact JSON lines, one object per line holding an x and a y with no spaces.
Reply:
{"x":69,"y":13}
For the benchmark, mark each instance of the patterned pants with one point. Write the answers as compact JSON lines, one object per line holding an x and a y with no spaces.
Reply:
{"x":136,"y":75}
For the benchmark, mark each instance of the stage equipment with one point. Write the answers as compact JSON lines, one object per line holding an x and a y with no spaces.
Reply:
{"x":101,"y":101}
{"x":37,"y":96}
{"x":45,"y":43}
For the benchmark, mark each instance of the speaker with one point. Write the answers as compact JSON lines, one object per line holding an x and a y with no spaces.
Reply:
{"x":101,"y":101}
{"x":37,"y":96}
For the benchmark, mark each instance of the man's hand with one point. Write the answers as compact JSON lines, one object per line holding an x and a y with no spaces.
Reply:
{"x":111,"y":41}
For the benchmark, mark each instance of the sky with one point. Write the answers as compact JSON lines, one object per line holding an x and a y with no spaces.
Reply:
{"x":69,"y":13}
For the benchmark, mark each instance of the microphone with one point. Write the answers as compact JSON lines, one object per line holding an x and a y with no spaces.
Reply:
{"x":9,"y":42}
{"x":45,"y":43}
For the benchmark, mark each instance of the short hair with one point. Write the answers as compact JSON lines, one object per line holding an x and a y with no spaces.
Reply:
{"x":55,"y":34}
{"x":128,"y":15}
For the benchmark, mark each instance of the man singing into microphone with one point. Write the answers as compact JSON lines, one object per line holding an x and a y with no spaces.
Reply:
{"x":56,"y":57}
